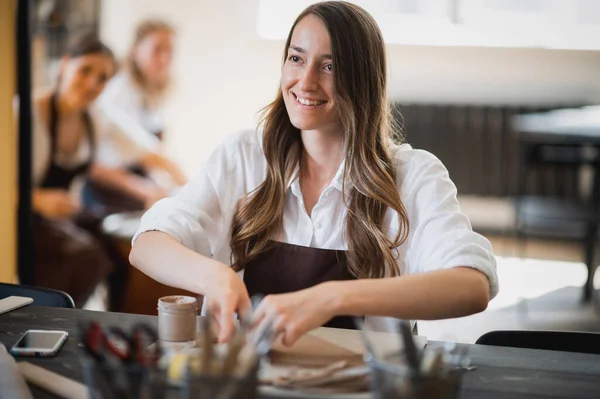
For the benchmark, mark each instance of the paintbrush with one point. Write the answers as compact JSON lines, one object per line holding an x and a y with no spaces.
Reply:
{"x":206,"y":353}
{"x":413,"y":357}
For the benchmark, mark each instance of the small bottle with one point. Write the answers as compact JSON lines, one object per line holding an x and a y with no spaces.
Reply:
{"x":177,"y":318}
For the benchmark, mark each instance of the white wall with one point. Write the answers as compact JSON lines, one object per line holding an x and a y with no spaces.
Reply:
{"x":493,"y":75}
{"x":226,"y":73}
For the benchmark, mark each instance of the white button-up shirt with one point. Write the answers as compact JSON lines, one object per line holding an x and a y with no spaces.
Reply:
{"x":123,"y":102}
{"x":440,"y":236}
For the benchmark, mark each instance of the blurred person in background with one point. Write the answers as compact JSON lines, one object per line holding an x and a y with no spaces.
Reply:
{"x":135,"y":99}
{"x":64,"y":130}
{"x":73,"y":138}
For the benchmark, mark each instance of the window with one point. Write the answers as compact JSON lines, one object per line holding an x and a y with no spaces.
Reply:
{"x":564,"y":24}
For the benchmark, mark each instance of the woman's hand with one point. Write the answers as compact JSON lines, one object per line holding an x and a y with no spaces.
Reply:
{"x":296,"y":313}
{"x":226,"y":296}
{"x":54,"y":203}
{"x":158,"y":161}
{"x":128,"y":183}
{"x":153,"y":195}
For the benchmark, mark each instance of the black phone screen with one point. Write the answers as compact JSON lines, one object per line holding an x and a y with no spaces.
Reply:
{"x":39,"y":339}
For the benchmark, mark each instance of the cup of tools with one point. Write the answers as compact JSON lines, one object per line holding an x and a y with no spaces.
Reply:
{"x":417,"y":374}
{"x":222,"y":371}
{"x":121,"y":363}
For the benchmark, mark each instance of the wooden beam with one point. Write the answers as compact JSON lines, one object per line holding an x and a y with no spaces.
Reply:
{"x":8,"y":158}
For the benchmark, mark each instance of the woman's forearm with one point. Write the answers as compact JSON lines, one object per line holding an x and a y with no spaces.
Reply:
{"x":154,"y":160}
{"x":37,"y":198}
{"x":165,"y":260}
{"x":123,"y":181}
{"x":440,"y":294}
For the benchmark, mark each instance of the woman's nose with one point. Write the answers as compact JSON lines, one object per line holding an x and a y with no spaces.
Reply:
{"x":165,"y":57}
{"x":309,"y":81}
{"x":92,"y":82}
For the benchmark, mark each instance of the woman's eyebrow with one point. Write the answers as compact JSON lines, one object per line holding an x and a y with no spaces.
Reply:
{"x":298,"y":49}
{"x":301,"y":50}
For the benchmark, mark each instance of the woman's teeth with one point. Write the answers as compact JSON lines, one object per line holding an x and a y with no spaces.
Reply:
{"x":304,"y":101}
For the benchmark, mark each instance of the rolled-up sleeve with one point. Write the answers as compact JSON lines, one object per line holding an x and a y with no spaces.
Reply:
{"x":192,"y":217}
{"x":440,"y":235}
{"x":200,"y":216}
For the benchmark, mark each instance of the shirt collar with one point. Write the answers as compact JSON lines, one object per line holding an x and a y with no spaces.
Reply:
{"x":294,"y":182}
{"x":337,"y":182}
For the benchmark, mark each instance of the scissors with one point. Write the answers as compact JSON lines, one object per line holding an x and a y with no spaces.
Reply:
{"x":134,"y":348}
{"x":124,"y":357}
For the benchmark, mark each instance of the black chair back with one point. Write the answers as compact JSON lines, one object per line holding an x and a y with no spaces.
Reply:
{"x":565,"y":341}
{"x":40,"y":296}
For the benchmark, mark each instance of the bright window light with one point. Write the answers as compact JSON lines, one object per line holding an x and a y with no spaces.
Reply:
{"x":554,"y":24}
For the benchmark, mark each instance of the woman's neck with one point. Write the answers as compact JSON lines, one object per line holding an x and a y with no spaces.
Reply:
{"x":321,"y":156}
{"x":152,"y":90}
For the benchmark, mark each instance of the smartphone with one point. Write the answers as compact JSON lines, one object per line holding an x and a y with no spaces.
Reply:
{"x":39,"y":343}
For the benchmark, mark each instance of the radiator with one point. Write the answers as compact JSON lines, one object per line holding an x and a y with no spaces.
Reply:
{"x":478,"y":145}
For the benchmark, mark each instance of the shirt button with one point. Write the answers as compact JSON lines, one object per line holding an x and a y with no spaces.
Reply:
{"x":317,"y":225}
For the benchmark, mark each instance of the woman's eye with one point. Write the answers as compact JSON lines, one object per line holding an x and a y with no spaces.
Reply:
{"x":329,"y":67}
{"x":294,"y":58}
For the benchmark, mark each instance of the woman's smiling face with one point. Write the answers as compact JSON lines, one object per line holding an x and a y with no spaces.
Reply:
{"x":307,"y":81}
{"x":84,"y":77}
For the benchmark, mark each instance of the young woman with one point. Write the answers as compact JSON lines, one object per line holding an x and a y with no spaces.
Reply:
{"x":321,"y":211}
{"x":65,"y":142}
{"x":134,"y":99}
{"x":139,"y":91}
{"x":72,"y":139}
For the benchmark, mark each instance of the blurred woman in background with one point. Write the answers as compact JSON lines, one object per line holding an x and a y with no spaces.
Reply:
{"x":74,"y":139}
{"x":134,"y":99}
{"x":140,"y":89}
{"x":64,"y":132}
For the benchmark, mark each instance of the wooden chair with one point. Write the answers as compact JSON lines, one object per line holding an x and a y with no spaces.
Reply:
{"x":140,"y":293}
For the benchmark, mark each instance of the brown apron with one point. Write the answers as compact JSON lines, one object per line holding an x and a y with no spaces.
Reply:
{"x":287,"y":268}
{"x":67,"y":257}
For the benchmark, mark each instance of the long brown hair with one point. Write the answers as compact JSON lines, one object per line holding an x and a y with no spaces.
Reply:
{"x":360,"y":82}
{"x":90,"y":44}
{"x":143,"y":30}
{"x":87,"y":44}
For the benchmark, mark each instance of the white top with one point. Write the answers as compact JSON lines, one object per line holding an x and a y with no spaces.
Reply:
{"x":440,"y":236}
{"x":114,"y":148}
{"x":125,"y":103}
